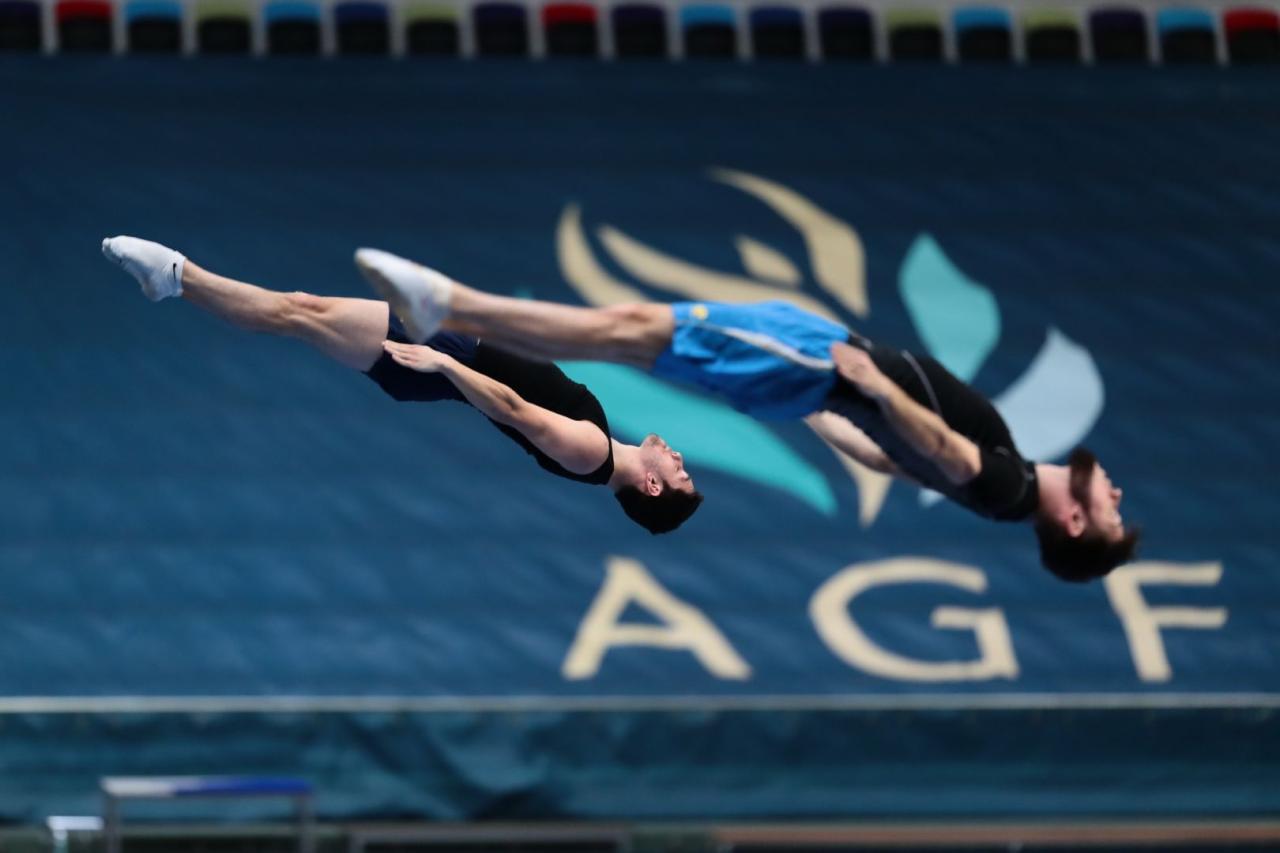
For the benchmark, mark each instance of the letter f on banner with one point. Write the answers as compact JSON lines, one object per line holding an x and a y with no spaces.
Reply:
{"x":685,"y":627}
{"x":1142,"y":622}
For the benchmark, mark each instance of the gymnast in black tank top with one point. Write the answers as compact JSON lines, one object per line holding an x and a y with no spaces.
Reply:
{"x":540,"y":383}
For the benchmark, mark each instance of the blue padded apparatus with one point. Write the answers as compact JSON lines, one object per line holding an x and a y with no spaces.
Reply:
{"x":703,"y":14}
{"x":153,"y":26}
{"x":777,"y":31}
{"x":1187,"y":36}
{"x":1171,"y":20}
{"x":359,"y":10}
{"x":776,"y":16}
{"x":362,"y":27}
{"x":153,"y":10}
{"x":983,"y":34}
{"x":709,"y":31}
{"x":290,"y":10}
{"x":242,"y":785}
{"x":293,"y":28}
{"x":967,"y":18}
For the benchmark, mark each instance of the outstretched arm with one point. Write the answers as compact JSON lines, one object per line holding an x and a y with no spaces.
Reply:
{"x":579,"y":446}
{"x":954,"y":454}
{"x":841,"y":434}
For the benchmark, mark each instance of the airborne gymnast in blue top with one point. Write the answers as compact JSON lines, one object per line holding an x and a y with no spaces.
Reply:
{"x":895,"y":411}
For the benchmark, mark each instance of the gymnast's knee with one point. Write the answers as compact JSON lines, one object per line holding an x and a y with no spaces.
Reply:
{"x":297,"y":313}
{"x":636,"y":327}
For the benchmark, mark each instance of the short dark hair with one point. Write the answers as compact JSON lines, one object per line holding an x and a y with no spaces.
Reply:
{"x":1082,"y":558}
{"x":659,"y":513}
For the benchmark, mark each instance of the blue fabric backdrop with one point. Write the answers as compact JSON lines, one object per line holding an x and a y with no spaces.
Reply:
{"x":220,"y":552}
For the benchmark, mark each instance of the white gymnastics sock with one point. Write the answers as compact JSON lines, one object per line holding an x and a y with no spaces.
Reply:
{"x":419,"y":295}
{"x":157,"y":268}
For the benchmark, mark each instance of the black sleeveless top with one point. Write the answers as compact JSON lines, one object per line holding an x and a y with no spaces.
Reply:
{"x":545,"y":385}
{"x":1006,"y":488}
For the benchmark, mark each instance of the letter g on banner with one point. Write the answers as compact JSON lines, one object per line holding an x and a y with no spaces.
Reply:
{"x":830,"y":611}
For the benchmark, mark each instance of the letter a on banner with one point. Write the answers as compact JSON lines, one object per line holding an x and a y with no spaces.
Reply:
{"x":1142,"y":622}
{"x":683,"y":626}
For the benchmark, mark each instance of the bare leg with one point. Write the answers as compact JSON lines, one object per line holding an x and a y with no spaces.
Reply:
{"x":350,"y":331}
{"x":634,"y":334}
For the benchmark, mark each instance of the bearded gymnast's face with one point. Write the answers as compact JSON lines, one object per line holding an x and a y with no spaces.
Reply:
{"x":667,"y":463}
{"x":1098,"y":496}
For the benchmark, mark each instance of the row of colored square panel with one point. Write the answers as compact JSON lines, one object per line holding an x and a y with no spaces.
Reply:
{"x":1032,"y":33}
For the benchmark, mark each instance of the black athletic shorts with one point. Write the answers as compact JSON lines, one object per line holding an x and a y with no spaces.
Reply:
{"x":403,"y":383}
